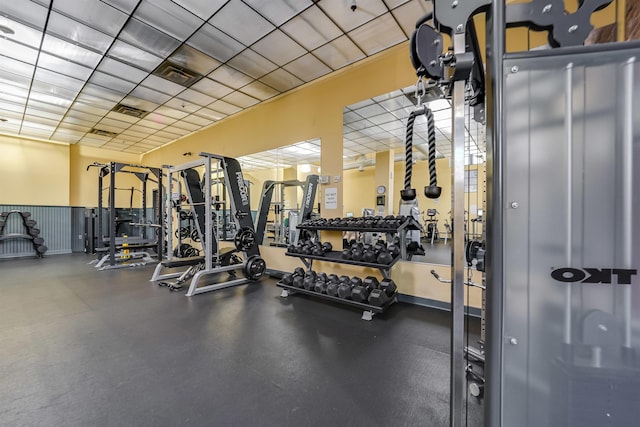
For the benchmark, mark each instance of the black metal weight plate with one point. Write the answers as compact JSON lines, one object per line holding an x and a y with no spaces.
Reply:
{"x":245,"y":239}
{"x":254,"y":268}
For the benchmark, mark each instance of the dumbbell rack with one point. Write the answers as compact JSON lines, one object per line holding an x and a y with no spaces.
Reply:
{"x":32,"y":233}
{"x":335,"y":256}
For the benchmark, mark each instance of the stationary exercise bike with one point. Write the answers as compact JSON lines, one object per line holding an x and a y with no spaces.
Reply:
{"x":431,"y":225}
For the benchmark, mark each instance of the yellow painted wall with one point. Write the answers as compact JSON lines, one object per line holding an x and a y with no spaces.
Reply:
{"x":33,"y":172}
{"x":84,"y":183}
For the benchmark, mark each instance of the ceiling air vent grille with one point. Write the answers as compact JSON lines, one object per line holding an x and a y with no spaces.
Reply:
{"x":177,"y":74}
{"x":103,"y":132}
{"x":130,"y":111}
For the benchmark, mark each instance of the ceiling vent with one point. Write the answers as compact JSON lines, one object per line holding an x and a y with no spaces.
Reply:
{"x":103,"y":132}
{"x":177,"y":74}
{"x":130,"y":111}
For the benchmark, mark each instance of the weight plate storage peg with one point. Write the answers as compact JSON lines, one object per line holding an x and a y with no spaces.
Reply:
{"x":255,"y":267}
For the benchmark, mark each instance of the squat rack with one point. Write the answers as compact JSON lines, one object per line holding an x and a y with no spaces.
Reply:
{"x":144,"y":174}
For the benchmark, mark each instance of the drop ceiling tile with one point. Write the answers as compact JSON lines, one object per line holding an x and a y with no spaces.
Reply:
{"x":203,"y":9}
{"x":215,"y":43}
{"x":158,"y":119}
{"x":307,"y":68}
{"x":339,"y":53}
{"x":22,"y":34}
{"x":182,"y":105}
{"x":27,"y":12}
{"x":370,"y":110}
{"x":162,"y":85}
{"x":196,"y":120}
{"x":35,"y":132}
{"x":21,"y":91}
{"x":259,"y":90}
{"x":150,"y":95}
{"x":281,"y":80}
{"x":34,"y":112}
{"x":72,"y":30}
{"x":103,"y":126}
{"x":58,"y":80}
{"x":67,"y":136}
{"x":409,"y":13}
{"x":39,"y":123}
{"x":129,"y":138}
{"x":179,"y":129}
{"x":191,"y":58}
{"x":169,"y":17}
{"x":132,"y":55}
{"x":391,"y":4}
{"x":87,"y":120}
{"x":210,"y":114}
{"x":378,"y":34}
{"x":102,"y":92}
{"x":13,"y":67}
{"x":122,"y":71}
{"x":138,"y":103}
{"x":94,"y":13}
{"x":195,"y":97}
{"x":224,"y":107}
{"x":122,"y":117}
{"x":109,"y":81}
{"x":142,"y":130}
{"x":246,"y":25}
{"x":56,"y":99}
{"x":10,"y":127}
{"x":19,"y":52}
{"x":312,"y":28}
{"x":340,"y":12}
{"x":132,"y":134}
{"x":211,"y":88}
{"x":157,"y":139}
{"x":230,"y":77}
{"x":383,"y":118}
{"x":240,"y":99}
{"x":118,"y":124}
{"x":150,"y":39}
{"x":151,"y":124}
{"x":86,"y":111}
{"x":280,"y":11}
{"x":94,"y":101}
{"x":171,"y":112}
{"x":251,"y":63}
{"x":278,"y":47}
{"x":170,"y":135}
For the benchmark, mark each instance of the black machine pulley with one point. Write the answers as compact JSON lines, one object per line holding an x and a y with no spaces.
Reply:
{"x":254,"y":268}
{"x":245,"y":239}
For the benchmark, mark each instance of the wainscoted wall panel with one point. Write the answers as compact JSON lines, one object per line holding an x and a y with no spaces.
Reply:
{"x":54,"y":223}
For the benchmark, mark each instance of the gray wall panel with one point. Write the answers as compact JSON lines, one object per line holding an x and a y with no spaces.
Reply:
{"x":54,"y":223}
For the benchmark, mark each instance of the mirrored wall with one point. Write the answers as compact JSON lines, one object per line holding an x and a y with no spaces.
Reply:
{"x":276,"y":205}
{"x":374,"y":140}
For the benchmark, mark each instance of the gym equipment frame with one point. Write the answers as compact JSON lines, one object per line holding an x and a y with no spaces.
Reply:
{"x":309,"y":187}
{"x":563,"y":249}
{"x":227,"y":171}
{"x":131,"y":252}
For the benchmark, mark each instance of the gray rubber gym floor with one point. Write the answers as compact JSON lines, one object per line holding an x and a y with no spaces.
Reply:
{"x":80,"y":347}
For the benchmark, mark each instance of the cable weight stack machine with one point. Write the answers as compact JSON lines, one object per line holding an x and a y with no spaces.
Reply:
{"x":562,"y":247}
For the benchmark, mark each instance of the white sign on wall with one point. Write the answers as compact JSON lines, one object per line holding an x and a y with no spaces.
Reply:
{"x":331,"y":198}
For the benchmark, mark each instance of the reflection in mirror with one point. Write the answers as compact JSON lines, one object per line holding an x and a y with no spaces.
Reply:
{"x":374,"y":166}
{"x":283,"y":183}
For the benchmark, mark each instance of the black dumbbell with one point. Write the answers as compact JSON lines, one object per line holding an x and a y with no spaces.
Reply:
{"x":369,"y":255}
{"x":346,"y":254}
{"x":317,"y":250}
{"x":292,"y":249}
{"x":394,"y":249}
{"x":287,"y":279}
{"x":361,"y":293}
{"x":327,"y":247}
{"x":332,"y":288}
{"x":357,"y":253}
{"x":321,"y":286}
{"x":388,"y":286}
{"x":385,"y":257}
{"x":378,"y":297}
{"x":298,"y":281}
{"x":371,"y":283}
{"x":309,"y":280}
{"x":298,"y":271}
{"x":344,"y":290}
